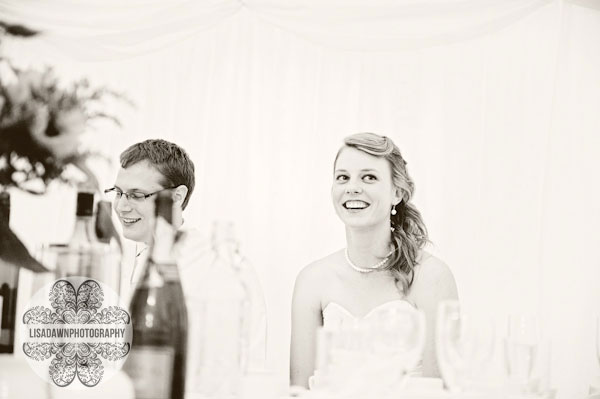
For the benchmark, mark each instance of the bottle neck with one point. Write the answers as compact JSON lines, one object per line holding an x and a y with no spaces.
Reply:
{"x":162,"y":242}
{"x":161,"y":252}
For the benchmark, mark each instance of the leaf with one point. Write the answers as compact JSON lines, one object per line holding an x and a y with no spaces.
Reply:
{"x":18,"y":30}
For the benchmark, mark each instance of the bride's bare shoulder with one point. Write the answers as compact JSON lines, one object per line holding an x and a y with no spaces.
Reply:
{"x":433,"y":273}
{"x":320,"y":268}
{"x":312,"y":283}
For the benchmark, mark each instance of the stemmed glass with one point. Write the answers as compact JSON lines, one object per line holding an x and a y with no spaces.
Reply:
{"x":520,"y":346}
{"x":464,"y":346}
{"x":598,"y":338}
{"x":397,"y":339}
{"x":370,"y":356}
{"x":527,"y":355}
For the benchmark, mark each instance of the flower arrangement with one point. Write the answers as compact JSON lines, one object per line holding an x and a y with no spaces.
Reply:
{"x":41,"y":126}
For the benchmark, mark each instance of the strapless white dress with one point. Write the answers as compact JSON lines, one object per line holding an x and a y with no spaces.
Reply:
{"x":352,"y":332}
{"x":336,"y":316}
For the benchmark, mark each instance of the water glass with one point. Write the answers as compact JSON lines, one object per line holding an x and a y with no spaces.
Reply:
{"x":370,"y":357}
{"x":398,"y":335}
{"x":464,"y":346}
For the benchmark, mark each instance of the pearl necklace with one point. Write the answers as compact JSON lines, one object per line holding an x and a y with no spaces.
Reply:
{"x":367,"y":269}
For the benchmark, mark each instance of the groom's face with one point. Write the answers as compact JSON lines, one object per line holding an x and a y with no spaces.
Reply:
{"x":137,"y":216}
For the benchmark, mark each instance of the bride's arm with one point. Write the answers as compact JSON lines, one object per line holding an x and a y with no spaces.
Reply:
{"x":433,"y":283}
{"x":306,"y":318}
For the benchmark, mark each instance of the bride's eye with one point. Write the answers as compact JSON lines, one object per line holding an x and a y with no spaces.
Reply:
{"x":369,"y":178}
{"x":341,"y":178}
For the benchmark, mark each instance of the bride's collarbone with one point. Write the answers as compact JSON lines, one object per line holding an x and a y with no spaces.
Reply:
{"x":364,"y":292}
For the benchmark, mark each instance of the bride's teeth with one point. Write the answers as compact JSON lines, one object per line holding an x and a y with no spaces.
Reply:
{"x":356,"y":205}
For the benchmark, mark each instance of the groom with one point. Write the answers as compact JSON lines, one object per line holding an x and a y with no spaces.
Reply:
{"x":147,"y":168}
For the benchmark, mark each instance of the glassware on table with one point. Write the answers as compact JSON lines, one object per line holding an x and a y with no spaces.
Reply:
{"x":370,"y":357}
{"x":520,"y":346}
{"x":598,"y":338}
{"x":399,"y":335}
{"x":158,"y":357}
{"x":227,"y":313}
{"x":341,"y":353}
{"x":89,"y":251}
{"x":464,"y":346}
{"x":594,"y":388}
{"x":527,"y":356}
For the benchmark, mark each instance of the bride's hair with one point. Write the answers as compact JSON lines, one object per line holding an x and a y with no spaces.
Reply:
{"x":409,"y":233}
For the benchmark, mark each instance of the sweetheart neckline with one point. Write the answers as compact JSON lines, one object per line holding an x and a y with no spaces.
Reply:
{"x":349,"y":313}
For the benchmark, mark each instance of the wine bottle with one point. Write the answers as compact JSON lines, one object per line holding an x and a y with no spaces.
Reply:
{"x":87,"y":254}
{"x":77,"y":256}
{"x":157,"y":361}
{"x":9,"y":279}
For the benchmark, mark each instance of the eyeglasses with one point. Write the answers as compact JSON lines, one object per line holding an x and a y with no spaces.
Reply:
{"x":133,"y":196}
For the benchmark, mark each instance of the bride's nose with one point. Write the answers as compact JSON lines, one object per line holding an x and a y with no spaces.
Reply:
{"x":353,"y":189}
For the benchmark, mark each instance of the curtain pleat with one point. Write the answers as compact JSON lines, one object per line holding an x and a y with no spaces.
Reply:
{"x":494,"y":104}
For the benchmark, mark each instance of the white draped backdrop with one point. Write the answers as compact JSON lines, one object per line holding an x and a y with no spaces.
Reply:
{"x":494,"y":103}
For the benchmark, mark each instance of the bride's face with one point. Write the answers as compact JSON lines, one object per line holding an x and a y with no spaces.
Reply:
{"x":362,"y":189}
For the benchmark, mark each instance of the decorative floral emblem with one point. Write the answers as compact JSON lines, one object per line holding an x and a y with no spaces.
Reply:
{"x":76,"y":308}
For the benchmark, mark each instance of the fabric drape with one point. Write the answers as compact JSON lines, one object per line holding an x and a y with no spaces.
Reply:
{"x":493,"y":104}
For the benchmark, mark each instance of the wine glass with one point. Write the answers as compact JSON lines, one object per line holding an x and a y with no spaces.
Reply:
{"x":598,"y":338}
{"x":397,"y":339}
{"x":369,"y":357}
{"x":340,"y":353}
{"x":527,"y":355}
{"x":464,"y":345}
{"x":521,"y":346}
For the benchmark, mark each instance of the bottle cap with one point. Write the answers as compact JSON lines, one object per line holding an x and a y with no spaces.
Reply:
{"x":85,"y":204}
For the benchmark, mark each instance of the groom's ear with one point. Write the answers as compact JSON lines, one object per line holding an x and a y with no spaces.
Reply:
{"x":179,"y":195}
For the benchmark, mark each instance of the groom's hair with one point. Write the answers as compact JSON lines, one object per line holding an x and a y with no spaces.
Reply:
{"x":168,"y":158}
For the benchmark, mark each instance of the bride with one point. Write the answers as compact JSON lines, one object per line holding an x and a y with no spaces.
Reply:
{"x":383,"y":264}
